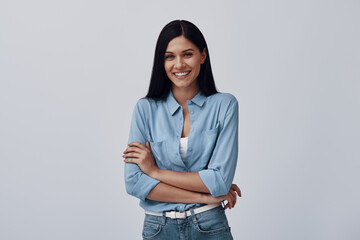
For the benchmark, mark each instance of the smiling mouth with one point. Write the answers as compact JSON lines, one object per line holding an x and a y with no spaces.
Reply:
{"x":180,"y":74}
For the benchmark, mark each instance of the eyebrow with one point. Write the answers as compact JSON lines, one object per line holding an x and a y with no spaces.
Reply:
{"x":190,"y":49}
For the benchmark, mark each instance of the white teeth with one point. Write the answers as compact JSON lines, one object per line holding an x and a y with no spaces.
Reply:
{"x":182,"y":74}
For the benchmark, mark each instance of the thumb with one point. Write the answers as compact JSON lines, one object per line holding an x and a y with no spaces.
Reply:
{"x":148,"y":145}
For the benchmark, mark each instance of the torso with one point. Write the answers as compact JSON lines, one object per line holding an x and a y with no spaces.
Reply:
{"x":187,"y":122}
{"x":163,"y":123}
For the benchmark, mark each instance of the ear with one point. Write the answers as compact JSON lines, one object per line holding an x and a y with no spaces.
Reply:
{"x":203,"y":56}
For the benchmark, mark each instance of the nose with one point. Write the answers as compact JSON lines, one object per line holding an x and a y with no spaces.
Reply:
{"x":179,"y":63}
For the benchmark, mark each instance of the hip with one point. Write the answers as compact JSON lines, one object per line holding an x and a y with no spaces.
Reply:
{"x":209,"y":224}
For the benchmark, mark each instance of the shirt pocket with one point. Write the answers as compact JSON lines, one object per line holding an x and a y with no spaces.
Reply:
{"x":212,"y":134}
{"x":159,"y":151}
{"x":209,"y":138}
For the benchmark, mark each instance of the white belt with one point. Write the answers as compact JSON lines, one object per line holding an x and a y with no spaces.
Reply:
{"x":184,"y":214}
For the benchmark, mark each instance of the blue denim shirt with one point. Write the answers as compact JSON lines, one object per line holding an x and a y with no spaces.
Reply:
{"x":212,"y":144}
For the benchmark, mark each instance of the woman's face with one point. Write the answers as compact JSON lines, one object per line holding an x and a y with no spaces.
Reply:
{"x":182,"y":62}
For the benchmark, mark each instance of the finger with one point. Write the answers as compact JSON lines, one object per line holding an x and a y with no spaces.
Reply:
{"x":226,"y":205}
{"x":233,"y":201}
{"x":233,"y":194}
{"x":133,"y":149}
{"x":131,"y":160}
{"x":148,"y":145}
{"x":230,"y":200}
{"x":137,"y":144}
{"x":234,"y":198}
{"x":236,"y":189}
{"x":132,"y":155}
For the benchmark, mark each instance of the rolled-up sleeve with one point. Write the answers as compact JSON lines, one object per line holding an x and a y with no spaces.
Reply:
{"x":220,"y":172}
{"x":138,"y":184}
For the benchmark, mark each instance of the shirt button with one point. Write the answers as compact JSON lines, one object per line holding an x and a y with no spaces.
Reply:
{"x":191,"y":111}
{"x":190,"y":149}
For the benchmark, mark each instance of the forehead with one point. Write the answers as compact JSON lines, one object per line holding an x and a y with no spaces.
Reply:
{"x":180,"y":44}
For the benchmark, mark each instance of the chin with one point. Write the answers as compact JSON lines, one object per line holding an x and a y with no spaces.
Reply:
{"x":180,"y":84}
{"x":185,"y":83}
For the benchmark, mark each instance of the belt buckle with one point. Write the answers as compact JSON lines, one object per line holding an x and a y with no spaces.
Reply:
{"x":175,"y":214}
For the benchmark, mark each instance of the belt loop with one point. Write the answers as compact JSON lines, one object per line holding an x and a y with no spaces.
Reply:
{"x":163,"y":218}
{"x":193,"y":215}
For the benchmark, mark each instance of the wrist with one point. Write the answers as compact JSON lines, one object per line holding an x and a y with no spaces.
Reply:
{"x":205,"y":198}
{"x":155,"y":173}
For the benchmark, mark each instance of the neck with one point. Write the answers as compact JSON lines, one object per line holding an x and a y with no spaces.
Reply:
{"x":183,"y":94}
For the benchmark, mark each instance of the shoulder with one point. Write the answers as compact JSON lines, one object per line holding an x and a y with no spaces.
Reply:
{"x":223,"y":99}
{"x":225,"y":104}
{"x":142,"y":103}
{"x":146,"y":103}
{"x":146,"y":106}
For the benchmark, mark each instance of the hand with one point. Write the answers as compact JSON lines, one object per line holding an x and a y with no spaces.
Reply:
{"x":142,"y":156}
{"x":230,"y":197}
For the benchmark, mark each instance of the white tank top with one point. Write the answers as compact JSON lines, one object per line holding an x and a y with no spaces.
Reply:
{"x":183,"y":147}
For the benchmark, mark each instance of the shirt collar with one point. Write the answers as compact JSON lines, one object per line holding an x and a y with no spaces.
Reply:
{"x":173,"y":105}
{"x":199,"y":99}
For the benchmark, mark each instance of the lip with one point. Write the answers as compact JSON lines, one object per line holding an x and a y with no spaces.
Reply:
{"x":182,"y":71}
{"x":182,"y":76}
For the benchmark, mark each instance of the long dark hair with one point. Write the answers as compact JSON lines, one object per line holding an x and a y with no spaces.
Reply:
{"x":160,"y":84}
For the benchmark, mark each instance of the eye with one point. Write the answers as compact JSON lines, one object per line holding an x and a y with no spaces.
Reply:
{"x":188,"y":54}
{"x":169,"y":56}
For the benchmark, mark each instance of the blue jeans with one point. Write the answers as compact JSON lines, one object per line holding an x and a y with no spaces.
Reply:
{"x":211,"y":224}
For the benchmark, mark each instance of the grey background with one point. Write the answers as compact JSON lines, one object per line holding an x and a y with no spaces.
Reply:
{"x":71,"y":72}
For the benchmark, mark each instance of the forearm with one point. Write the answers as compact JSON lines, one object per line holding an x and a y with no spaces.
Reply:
{"x":186,"y":180}
{"x":166,"y":193}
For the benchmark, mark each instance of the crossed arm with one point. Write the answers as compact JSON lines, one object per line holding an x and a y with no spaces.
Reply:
{"x":184,"y":187}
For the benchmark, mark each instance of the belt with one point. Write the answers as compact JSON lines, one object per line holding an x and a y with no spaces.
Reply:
{"x":184,"y":214}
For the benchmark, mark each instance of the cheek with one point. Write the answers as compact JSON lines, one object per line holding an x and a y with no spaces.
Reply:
{"x":195,"y":63}
{"x":167,"y":68}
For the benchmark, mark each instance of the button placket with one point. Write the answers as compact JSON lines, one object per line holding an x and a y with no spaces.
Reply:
{"x":178,"y":135}
{"x":180,"y":127}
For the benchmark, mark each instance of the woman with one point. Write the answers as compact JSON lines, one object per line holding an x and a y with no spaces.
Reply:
{"x":183,"y":142}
